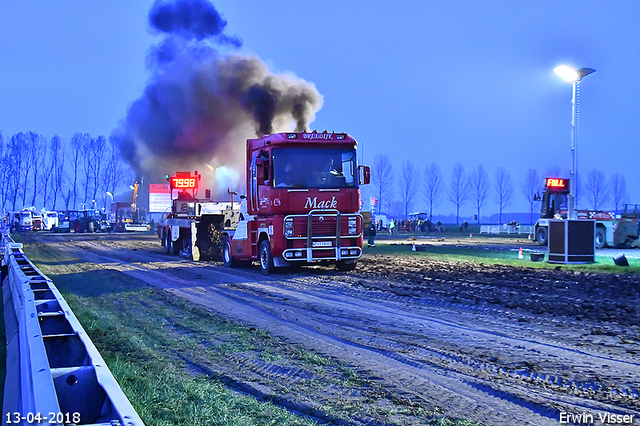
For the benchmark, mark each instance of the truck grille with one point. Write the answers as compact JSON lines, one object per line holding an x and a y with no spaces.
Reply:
{"x":322,"y":235}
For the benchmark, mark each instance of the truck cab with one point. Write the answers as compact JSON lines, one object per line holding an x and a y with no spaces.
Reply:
{"x":302,"y":202}
{"x":20,"y":221}
{"x":49,"y":220}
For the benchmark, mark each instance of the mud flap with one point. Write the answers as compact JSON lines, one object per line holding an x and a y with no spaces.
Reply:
{"x":208,"y":241}
{"x":195,"y":251}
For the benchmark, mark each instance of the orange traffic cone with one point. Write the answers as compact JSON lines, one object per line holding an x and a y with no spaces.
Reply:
{"x":520,"y":255}
{"x":413,"y":247}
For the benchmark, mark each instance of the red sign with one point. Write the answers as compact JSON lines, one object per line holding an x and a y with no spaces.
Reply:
{"x":556,"y":184}
{"x":184,"y":183}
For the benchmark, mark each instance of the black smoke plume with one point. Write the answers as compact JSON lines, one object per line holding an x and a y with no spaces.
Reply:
{"x":201,"y":102}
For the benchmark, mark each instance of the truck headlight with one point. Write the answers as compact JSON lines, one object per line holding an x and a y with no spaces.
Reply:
{"x":353,"y":226}
{"x":288,"y":233}
{"x":288,"y":224}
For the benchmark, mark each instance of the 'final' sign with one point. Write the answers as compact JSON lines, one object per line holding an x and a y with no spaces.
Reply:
{"x":556,"y":184}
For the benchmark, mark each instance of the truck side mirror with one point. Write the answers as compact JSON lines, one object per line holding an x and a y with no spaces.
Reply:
{"x":364,"y":175}
{"x":262,"y":168}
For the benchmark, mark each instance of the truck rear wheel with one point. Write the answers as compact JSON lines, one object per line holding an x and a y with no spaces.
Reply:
{"x":175,"y":246}
{"x":266,"y":260}
{"x":165,"y":242}
{"x":601,"y":238}
{"x":227,"y":257}
{"x":541,"y":236}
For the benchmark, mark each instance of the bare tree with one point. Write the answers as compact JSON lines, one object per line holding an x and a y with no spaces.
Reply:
{"x":17,"y":154}
{"x":408,"y":185}
{"x":37,"y":156}
{"x":479,"y":188}
{"x":47,"y":174}
{"x":99,"y":147}
{"x":30,"y":156}
{"x":396,"y":208}
{"x":56,"y":168}
{"x":77,"y":143}
{"x":458,"y":190}
{"x":433,"y":186}
{"x":504,"y":190}
{"x":86,"y":161}
{"x":382,"y":178}
{"x":619,"y":194}
{"x":531,"y":187}
{"x":114,"y":172}
{"x":596,"y":188}
{"x":4,"y":172}
{"x":4,"y":180}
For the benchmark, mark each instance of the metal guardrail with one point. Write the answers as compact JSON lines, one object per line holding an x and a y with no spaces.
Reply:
{"x":55,"y":374}
{"x":507,"y":229}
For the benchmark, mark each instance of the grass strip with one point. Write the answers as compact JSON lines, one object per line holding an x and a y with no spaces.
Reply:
{"x":492,"y":256}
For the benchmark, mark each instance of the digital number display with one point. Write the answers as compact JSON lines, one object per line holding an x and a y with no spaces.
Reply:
{"x":555,"y":184}
{"x":188,"y":183}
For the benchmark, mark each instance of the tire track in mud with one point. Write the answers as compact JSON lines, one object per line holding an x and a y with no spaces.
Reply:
{"x":450,"y":356}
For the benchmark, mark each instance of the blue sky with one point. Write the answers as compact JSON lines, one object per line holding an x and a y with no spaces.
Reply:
{"x":443,"y":81}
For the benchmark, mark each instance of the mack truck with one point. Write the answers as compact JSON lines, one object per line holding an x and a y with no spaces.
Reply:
{"x":301,"y":206}
{"x":554,"y":205}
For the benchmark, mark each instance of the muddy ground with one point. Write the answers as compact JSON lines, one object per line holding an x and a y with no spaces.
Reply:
{"x":492,"y":344}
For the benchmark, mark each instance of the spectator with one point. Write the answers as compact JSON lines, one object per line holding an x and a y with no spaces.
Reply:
{"x":372,"y":234}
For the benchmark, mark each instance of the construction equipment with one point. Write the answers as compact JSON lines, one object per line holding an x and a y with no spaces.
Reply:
{"x":290,"y":214}
{"x":627,"y":233}
{"x":554,"y":206}
{"x":129,"y":216}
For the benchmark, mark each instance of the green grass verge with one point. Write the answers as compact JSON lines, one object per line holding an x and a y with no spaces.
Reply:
{"x":498,"y":256}
{"x":147,"y":339}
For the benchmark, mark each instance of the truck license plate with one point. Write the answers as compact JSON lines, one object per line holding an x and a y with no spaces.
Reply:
{"x":322,"y":244}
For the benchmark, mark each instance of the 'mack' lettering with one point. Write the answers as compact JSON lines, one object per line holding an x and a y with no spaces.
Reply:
{"x":326,"y":204}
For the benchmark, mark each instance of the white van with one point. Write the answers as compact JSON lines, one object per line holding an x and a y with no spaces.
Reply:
{"x":49,"y":220}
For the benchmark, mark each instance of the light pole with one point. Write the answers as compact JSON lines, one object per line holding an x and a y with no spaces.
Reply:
{"x":573,"y":76}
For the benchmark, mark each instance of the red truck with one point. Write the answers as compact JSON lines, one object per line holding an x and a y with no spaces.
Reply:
{"x":301,"y":206}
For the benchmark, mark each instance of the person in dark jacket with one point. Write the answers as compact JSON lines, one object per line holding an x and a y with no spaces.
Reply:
{"x":372,"y":234}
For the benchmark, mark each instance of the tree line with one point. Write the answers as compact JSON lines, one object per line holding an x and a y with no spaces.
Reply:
{"x":54,"y":173}
{"x":398,"y":192}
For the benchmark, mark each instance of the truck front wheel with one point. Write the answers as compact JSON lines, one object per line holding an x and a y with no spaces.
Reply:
{"x":541,"y":236}
{"x":344,"y":266}
{"x":266,"y":260}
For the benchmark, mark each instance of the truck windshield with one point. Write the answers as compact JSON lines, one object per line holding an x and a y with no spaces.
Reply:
{"x":314,"y":168}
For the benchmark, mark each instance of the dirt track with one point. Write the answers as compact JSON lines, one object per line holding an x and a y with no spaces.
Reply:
{"x":492,"y":344}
